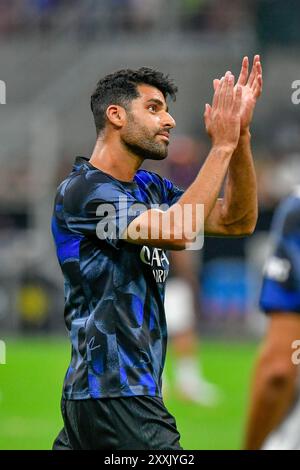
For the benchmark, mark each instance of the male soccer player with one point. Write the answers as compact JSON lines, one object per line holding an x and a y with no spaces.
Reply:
{"x":113,"y":257}
{"x":274,"y":417}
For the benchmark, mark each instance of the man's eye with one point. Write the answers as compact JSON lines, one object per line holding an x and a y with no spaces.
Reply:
{"x":152,"y":108}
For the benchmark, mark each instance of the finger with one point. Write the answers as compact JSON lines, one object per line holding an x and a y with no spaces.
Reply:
{"x":207,"y":111}
{"x":242,"y":80}
{"x":258,"y":87}
{"x":215,"y":101}
{"x":259,"y":67}
{"x":229,"y":92}
{"x":216,"y":82}
{"x":237,"y":100}
{"x":253,"y":70}
{"x":207,"y":116}
{"x":258,"y":72}
{"x":223,"y":91}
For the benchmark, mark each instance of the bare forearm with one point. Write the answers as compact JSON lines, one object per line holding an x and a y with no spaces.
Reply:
{"x":239,"y":205}
{"x":208,"y":183}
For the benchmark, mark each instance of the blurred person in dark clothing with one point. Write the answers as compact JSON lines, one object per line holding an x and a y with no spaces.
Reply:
{"x":274,"y":413}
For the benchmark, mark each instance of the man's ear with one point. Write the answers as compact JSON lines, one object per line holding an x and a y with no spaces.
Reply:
{"x":116,"y":115}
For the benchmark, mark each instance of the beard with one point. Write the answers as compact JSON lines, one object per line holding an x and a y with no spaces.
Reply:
{"x":141,"y":142}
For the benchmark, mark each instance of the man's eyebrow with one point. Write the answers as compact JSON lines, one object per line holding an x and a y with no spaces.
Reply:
{"x":159,"y":102}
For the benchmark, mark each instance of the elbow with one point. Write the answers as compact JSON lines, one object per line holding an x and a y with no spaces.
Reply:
{"x":249,"y":224}
{"x":237,"y":230}
{"x":245,"y":228}
{"x":247,"y":231}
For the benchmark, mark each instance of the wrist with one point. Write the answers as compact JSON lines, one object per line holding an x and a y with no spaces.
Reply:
{"x":224,"y":149}
{"x":245,"y":132}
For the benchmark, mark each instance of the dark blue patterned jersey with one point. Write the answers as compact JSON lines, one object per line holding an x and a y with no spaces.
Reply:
{"x":281,"y":285}
{"x":114,"y":290}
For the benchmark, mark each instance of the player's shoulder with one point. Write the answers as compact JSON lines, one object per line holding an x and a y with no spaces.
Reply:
{"x":84,"y":177}
{"x":287,"y":215}
{"x":149,"y":177}
{"x":85,"y":184}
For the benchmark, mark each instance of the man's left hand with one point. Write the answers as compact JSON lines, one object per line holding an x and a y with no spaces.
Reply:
{"x":251,"y":89}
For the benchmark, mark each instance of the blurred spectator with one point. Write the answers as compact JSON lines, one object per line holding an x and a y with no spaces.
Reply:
{"x":41,"y":13}
{"x":145,"y":14}
{"x":34,"y":302}
{"x":10,"y":16}
{"x":93,"y":17}
{"x":194,"y":14}
{"x":184,"y":159}
{"x":235,"y":17}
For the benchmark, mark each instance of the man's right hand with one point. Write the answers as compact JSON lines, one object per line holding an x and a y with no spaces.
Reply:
{"x":222,"y":119}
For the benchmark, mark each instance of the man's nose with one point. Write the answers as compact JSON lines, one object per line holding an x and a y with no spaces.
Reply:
{"x":169,"y":121}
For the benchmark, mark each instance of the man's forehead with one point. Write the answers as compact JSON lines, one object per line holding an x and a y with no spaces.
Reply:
{"x":148,"y":92}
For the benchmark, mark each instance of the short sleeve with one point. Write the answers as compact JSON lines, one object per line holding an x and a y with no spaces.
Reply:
{"x":281,"y":283}
{"x":101,"y":211}
{"x":173,"y":192}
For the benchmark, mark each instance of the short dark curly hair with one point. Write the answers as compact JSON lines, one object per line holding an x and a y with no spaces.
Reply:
{"x":120,"y":88}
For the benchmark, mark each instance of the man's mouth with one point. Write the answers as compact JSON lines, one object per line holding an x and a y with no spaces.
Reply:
{"x":165,"y":135}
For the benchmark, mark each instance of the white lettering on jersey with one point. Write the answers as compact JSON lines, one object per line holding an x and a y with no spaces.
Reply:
{"x":156,"y":258}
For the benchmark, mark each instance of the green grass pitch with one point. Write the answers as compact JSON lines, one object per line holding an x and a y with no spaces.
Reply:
{"x":31,"y":382}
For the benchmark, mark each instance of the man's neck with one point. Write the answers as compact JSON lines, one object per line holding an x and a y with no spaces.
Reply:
{"x":114,"y":159}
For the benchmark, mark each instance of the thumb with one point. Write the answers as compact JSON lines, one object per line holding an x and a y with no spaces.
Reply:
{"x":207,"y":110}
{"x":207,"y":119}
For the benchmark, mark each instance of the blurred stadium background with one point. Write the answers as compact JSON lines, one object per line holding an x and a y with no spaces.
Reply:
{"x":52,"y":54}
